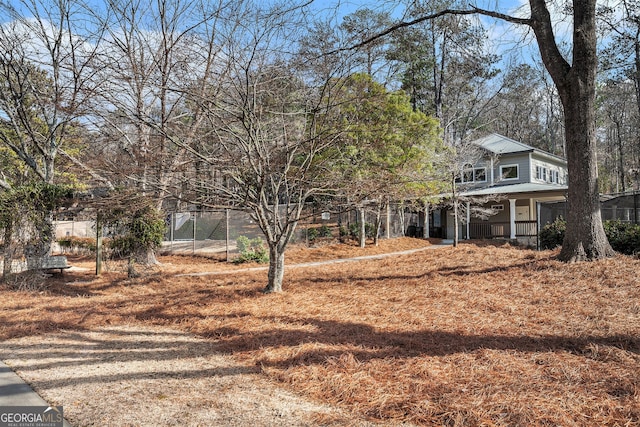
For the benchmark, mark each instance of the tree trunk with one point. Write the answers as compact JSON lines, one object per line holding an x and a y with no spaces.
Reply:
{"x":456,"y":210}
{"x":378,"y":224}
{"x":7,"y":250}
{"x":576,"y":83}
{"x":363,"y":230}
{"x":276,"y":269}
{"x":36,"y":250}
{"x":147,"y":257}
{"x":585,"y":238}
{"x":619,"y":146}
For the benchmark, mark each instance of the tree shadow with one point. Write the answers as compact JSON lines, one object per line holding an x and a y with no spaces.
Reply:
{"x":116,"y":347}
{"x":367,"y":343}
{"x":462,"y":270}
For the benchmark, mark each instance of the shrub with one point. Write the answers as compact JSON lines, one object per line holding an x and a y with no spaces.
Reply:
{"x":325,"y":231}
{"x":370,"y":230}
{"x":552,"y":235}
{"x":76,"y":245}
{"x":623,"y":237}
{"x":251,"y":250}
{"x":354,"y":230}
{"x":137,"y":232}
{"x":312,"y":234}
{"x":322,"y":232}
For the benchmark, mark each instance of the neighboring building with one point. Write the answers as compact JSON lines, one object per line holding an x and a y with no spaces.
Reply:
{"x":517,"y":177}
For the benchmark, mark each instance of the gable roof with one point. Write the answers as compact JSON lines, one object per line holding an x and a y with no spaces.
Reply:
{"x":499,"y":144}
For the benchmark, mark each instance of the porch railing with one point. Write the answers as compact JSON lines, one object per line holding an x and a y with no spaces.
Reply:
{"x":526,"y":228}
{"x":489,"y":230}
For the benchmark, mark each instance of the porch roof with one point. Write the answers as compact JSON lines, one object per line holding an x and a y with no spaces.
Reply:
{"x":528,"y":187}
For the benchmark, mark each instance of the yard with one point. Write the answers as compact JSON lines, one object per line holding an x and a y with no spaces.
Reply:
{"x":476,"y":335}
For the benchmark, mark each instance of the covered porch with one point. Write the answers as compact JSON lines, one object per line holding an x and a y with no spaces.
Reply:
{"x":514,"y":212}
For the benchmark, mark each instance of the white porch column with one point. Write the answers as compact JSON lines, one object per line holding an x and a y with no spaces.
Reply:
{"x":468,"y":219}
{"x":491,"y":172}
{"x":512,"y":218}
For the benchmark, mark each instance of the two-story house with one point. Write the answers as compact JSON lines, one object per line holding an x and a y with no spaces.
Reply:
{"x":516,"y":178}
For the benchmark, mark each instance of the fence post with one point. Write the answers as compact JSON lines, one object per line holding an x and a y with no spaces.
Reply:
{"x":172,"y":220}
{"x":226,"y":211}
{"x":98,"y":245}
{"x":194,"y":233}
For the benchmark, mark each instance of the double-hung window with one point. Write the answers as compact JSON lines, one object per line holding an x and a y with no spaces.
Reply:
{"x":509,"y":172}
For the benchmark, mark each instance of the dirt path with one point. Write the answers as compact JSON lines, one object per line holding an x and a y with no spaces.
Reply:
{"x":320,"y":263}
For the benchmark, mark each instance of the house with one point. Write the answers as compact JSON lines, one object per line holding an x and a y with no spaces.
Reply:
{"x":516,"y":178}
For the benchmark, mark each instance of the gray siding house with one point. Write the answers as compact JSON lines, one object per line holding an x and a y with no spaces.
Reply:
{"x":516,"y":178}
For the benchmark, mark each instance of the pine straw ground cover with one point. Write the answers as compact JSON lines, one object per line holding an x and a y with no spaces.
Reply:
{"x":475,"y":335}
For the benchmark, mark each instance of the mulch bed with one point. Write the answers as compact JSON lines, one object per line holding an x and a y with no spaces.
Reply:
{"x":481,"y":334}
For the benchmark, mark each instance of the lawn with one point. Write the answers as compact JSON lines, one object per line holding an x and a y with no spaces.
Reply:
{"x":476,"y":335}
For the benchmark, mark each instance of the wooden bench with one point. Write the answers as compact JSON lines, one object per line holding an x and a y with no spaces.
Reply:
{"x":56,"y":262}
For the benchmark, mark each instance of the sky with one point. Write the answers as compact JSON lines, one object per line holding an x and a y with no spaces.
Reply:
{"x":503,"y":38}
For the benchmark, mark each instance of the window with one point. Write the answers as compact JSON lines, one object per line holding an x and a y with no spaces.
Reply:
{"x":541,"y":173}
{"x":546,"y":174}
{"x":480,"y":175}
{"x":470,"y":175}
{"x":509,"y":172}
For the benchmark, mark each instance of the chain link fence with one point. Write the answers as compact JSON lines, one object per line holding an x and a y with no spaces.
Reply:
{"x":214,"y":233}
{"x":614,"y":207}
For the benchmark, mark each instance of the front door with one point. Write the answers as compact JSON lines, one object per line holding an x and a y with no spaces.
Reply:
{"x":522,"y":213}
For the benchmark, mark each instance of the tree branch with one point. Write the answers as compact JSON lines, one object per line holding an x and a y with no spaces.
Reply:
{"x":88,"y":169}
{"x":473,"y":11}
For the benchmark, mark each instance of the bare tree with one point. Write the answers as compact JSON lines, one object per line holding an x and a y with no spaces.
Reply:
{"x":159,"y":56}
{"x":46,"y":83}
{"x":47,"y":76}
{"x":262,"y":134}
